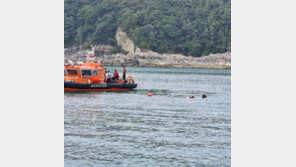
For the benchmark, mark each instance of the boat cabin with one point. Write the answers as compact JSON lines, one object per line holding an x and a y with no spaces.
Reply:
{"x":88,"y":72}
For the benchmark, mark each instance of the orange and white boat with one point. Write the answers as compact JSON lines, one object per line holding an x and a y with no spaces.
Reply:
{"x":90,"y":76}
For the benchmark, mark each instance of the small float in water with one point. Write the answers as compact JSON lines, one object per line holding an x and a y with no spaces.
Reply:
{"x":90,"y":76}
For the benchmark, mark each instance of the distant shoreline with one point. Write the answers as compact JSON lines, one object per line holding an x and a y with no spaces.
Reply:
{"x":150,"y":59}
{"x":209,"y":66}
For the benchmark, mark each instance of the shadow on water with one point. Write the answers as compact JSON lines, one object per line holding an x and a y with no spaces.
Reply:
{"x":96,"y":92}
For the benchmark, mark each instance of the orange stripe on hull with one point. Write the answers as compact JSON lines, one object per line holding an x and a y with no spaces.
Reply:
{"x":92,"y":90}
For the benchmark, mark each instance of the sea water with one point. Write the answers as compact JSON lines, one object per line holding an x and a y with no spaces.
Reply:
{"x":167,"y":129}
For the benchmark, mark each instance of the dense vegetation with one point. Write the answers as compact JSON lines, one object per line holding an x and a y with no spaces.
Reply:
{"x":118,"y":49}
{"x":190,"y":27}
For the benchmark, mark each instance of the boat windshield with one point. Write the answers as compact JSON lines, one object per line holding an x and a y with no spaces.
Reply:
{"x":72,"y":72}
{"x":95,"y":73}
{"x":86,"y":73}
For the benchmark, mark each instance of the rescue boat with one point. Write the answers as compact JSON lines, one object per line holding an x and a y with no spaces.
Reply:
{"x":90,"y":76}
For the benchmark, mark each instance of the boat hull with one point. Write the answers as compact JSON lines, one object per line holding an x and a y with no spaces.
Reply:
{"x":98,"y":87}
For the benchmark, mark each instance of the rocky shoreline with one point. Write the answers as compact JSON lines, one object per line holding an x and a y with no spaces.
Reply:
{"x":137,"y":57}
{"x":151,"y":59}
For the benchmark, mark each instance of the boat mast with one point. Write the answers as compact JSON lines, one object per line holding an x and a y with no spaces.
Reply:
{"x":79,"y":48}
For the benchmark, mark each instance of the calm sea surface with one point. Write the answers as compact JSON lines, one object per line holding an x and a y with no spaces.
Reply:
{"x":167,"y":129}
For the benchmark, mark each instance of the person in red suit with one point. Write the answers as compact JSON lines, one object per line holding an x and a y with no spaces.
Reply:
{"x":115,"y":75}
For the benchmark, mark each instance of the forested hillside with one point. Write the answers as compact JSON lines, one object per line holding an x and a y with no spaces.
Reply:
{"x":189,"y":27}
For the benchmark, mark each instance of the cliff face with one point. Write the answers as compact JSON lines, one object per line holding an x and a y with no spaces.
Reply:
{"x":127,"y":44}
{"x":136,"y":57}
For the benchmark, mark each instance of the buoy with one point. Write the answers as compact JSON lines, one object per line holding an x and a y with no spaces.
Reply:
{"x":191,"y":96}
{"x":204,"y":96}
{"x":149,"y":94}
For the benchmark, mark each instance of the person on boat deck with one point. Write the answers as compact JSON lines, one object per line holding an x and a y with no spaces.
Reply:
{"x":109,"y":76}
{"x":115,"y":75}
{"x":124,"y":72}
{"x":106,"y":76}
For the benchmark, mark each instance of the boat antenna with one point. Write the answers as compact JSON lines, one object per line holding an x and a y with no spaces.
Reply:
{"x":79,"y":39}
{"x":79,"y":48}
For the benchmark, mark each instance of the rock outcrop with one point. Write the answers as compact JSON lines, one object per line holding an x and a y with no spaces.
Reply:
{"x":127,"y":44}
{"x":136,"y":57}
{"x":76,"y":54}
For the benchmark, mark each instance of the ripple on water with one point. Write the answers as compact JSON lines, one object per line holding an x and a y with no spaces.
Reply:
{"x":167,"y":129}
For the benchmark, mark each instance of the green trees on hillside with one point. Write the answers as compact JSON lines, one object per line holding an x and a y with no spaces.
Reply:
{"x":189,"y":27}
